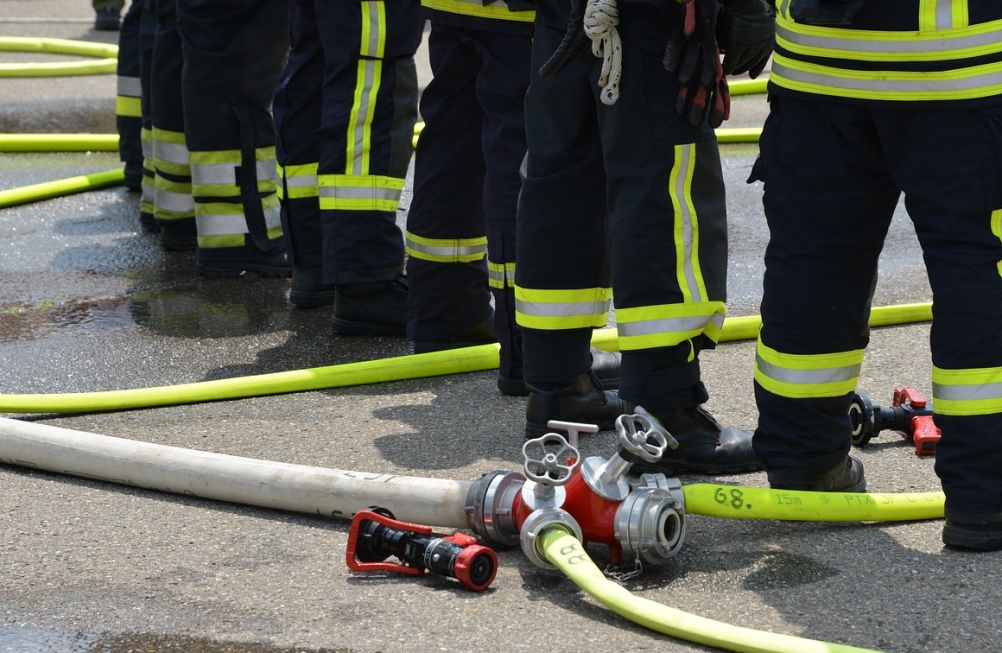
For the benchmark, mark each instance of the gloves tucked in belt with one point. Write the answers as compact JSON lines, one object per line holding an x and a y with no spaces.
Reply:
{"x":746,"y":35}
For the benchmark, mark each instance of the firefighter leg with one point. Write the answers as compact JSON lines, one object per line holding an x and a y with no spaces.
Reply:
{"x":367,"y":128}
{"x":234,"y":52}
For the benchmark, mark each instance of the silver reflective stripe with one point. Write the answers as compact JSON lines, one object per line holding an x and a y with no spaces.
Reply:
{"x":362,"y":121}
{"x":669,"y":325}
{"x":360,"y":193}
{"x":207,"y":174}
{"x":808,"y":377}
{"x":563,"y":309}
{"x":147,"y":149}
{"x":451,"y":251}
{"x":228,"y":224}
{"x":129,"y":87}
{"x":175,"y":202}
{"x":171,"y":152}
{"x":496,"y":277}
{"x":273,"y":217}
{"x":371,"y":49}
{"x":921,"y":83}
{"x":301,"y":181}
{"x":967,"y":392}
{"x":686,"y":218}
{"x":939,"y":47}
{"x":944,"y":14}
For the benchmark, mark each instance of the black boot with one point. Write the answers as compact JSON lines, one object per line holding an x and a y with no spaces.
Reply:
{"x":973,"y":531}
{"x":308,"y":288}
{"x":376,"y":308}
{"x":581,"y":399}
{"x":704,"y":447}
{"x":179,"y":235}
{"x":846,"y":477}
{"x":605,"y":365}
{"x":226,"y":262}
{"x":479,"y":334}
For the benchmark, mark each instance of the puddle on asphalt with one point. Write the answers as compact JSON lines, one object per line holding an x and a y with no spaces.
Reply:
{"x":203,"y":310}
{"x":17,"y":639}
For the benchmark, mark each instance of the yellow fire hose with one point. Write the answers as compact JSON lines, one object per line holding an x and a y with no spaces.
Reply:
{"x":566,"y":553}
{"x":416,"y":366}
{"x":106,"y":52}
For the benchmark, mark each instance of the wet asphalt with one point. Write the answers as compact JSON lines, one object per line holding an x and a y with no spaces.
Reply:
{"x":89,"y":301}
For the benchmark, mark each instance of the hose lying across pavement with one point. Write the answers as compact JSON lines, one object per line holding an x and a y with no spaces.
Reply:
{"x":566,"y":553}
{"x":442,"y":503}
{"x":415,"y":366}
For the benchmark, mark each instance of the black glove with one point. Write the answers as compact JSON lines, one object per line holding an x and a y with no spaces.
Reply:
{"x":746,"y":35}
{"x":692,"y":53}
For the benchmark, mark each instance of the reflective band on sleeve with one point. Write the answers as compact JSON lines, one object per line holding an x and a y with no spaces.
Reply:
{"x":501,"y":275}
{"x":373,"y":29}
{"x":446,"y":250}
{"x":667,"y":325}
{"x":804,"y":376}
{"x":967,"y":392}
{"x":359,"y":193}
{"x":562,"y":309}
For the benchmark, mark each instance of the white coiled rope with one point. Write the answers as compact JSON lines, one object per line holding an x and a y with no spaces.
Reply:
{"x":600,"y":20}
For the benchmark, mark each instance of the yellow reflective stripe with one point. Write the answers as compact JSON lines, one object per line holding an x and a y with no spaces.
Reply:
{"x":495,"y":10}
{"x":359,"y":193}
{"x":667,"y":325}
{"x":872,"y":45}
{"x":803,"y":376}
{"x":300,"y":181}
{"x":369,"y":76}
{"x":967,"y":392}
{"x":146,"y":139}
{"x":214,"y":242}
{"x":445,"y":250}
{"x":562,"y":309}
{"x":997,"y":230}
{"x":501,"y":275}
{"x":969,"y":83}
{"x":690,"y":277}
{"x":130,"y":107}
{"x":373,"y":29}
{"x":941,"y":14}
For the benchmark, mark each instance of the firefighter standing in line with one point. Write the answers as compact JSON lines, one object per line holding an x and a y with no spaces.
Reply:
{"x":630,"y":156}
{"x":128,"y":97}
{"x":870,"y":100}
{"x":466,"y":185}
{"x":345,"y":109}
{"x":214,"y":68}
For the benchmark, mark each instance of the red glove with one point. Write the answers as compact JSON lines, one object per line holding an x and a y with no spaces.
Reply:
{"x":692,"y":53}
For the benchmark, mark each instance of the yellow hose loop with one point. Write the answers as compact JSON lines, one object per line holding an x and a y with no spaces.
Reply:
{"x":107,"y":54}
{"x":415,"y":366}
{"x":747,"y":86}
{"x":60,"y":187}
{"x":735,"y":502}
{"x":58,"y":142}
{"x":455,"y":361}
{"x":747,"y":327}
{"x":566,"y":553}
